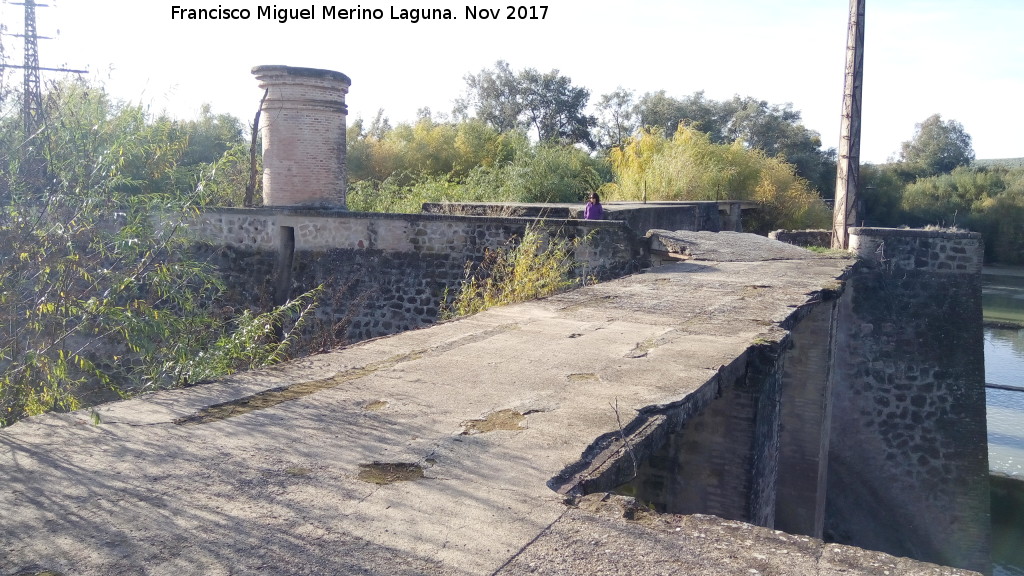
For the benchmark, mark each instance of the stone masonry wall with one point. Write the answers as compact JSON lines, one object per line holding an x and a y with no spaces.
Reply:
{"x":724,"y":459}
{"x":908,"y":463}
{"x":386,"y":273}
{"x":921,"y":250}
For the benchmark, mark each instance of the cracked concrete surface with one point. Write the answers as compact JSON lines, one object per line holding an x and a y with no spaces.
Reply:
{"x":276,"y":489}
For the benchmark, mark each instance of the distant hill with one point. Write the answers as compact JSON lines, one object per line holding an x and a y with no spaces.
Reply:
{"x":1005,"y":162}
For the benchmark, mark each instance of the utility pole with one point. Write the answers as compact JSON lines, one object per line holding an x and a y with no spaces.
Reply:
{"x":33,"y":163}
{"x":32,"y":95}
{"x":848,"y":173}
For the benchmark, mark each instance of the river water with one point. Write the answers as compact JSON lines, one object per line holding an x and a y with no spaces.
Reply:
{"x":1003,"y":297}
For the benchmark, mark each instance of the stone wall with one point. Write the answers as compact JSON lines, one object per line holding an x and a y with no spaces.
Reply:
{"x":908,"y":463}
{"x":920,"y":250}
{"x":721,"y":458}
{"x":383,"y":273}
{"x":864,"y":424}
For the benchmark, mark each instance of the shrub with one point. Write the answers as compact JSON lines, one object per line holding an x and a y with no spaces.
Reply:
{"x":534,"y":266}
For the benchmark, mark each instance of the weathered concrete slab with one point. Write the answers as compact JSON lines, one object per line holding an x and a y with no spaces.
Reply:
{"x":726,"y":246}
{"x":282,"y":483}
{"x":609,"y":535}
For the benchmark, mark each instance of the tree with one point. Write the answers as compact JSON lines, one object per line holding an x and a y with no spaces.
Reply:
{"x":545,"y":102}
{"x":209,"y":136}
{"x":617,"y":118}
{"x":659,"y":110}
{"x":882,"y":195}
{"x":494,"y":94}
{"x":775,"y":129}
{"x":937,"y":147}
{"x":689,"y":166}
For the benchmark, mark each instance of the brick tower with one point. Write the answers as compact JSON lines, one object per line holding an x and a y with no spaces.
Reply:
{"x":303,"y":126}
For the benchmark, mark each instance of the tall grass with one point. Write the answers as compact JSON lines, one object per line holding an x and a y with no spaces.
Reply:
{"x":537,"y":265}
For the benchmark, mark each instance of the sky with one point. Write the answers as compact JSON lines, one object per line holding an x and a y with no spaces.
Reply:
{"x":962,"y":59}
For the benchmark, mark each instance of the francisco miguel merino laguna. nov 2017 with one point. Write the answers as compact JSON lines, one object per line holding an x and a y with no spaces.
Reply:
{"x":412,"y":15}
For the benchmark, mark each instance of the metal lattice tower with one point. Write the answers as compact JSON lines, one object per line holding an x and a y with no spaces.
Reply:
{"x":32,"y":106}
{"x":33,"y":162}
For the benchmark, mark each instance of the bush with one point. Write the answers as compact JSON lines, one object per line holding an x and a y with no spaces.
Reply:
{"x":537,"y":265}
{"x":99,"y":296}
{"x":691,"y":167}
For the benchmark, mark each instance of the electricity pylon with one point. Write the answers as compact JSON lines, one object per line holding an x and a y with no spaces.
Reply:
{"x":33,"y":162}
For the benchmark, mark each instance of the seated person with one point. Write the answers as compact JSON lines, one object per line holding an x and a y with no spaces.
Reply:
{"x":593,"y":210}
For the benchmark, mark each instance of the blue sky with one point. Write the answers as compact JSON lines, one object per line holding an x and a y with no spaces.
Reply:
{"x":959,"y":58}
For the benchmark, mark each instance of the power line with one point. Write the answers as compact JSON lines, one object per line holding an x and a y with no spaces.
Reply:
{"x":33,"y":115}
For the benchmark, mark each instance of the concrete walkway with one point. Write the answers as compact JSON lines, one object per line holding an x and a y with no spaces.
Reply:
{"x":428,"y":452}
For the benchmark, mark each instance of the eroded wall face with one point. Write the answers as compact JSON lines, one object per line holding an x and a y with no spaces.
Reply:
{"x":908,"y":461}
{"x":805,"y":420}
{"x":723,"y":461}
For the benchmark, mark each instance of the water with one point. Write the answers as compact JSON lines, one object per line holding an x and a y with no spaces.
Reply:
{"x":1003,"y":297}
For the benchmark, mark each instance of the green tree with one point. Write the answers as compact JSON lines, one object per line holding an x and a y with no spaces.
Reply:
{"x":937,"y":147}
{"x":426,"y":148}
{"x":989,"y":200}
{"x":495,"y":97}
{"x":772,"y":128}
{"x":546,"y":172}
{"x":546,"y":102}
{"x":882,"y":194}
{"x":209,"y":137}
{"x":689,"y":166}
{"x":659,"y":110}
{"x":617,"y":118}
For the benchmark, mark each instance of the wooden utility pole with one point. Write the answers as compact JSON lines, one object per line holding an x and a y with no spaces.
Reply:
{"x":848,"y":174}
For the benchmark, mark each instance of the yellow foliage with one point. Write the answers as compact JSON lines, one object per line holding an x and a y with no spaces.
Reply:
{"x":691,"y":167}
{"x":538,"y":265}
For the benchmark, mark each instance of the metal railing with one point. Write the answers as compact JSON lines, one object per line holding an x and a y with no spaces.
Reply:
{"x":1004,"y":387}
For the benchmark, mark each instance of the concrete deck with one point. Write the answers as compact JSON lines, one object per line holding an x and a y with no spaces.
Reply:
{"x":282,"y":483}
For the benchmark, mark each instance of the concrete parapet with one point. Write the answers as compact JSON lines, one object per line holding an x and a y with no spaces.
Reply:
{"x":942,"y":250}
{"x":693,"y":216}
{"x":303,"y":125}
{"x":385,"y":273}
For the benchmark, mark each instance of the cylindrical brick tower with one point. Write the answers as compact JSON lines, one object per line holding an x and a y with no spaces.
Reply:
{"x":303,"y":126}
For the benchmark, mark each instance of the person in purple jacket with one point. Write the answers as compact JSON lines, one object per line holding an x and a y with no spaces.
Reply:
{"x":593,"y":209}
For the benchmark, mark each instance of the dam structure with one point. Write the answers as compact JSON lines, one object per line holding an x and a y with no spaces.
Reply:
{"x":488,"y":445}
{"x":718,"y":403}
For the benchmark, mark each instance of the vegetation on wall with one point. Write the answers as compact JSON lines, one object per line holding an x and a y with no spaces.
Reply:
{"x":537,"y":265}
